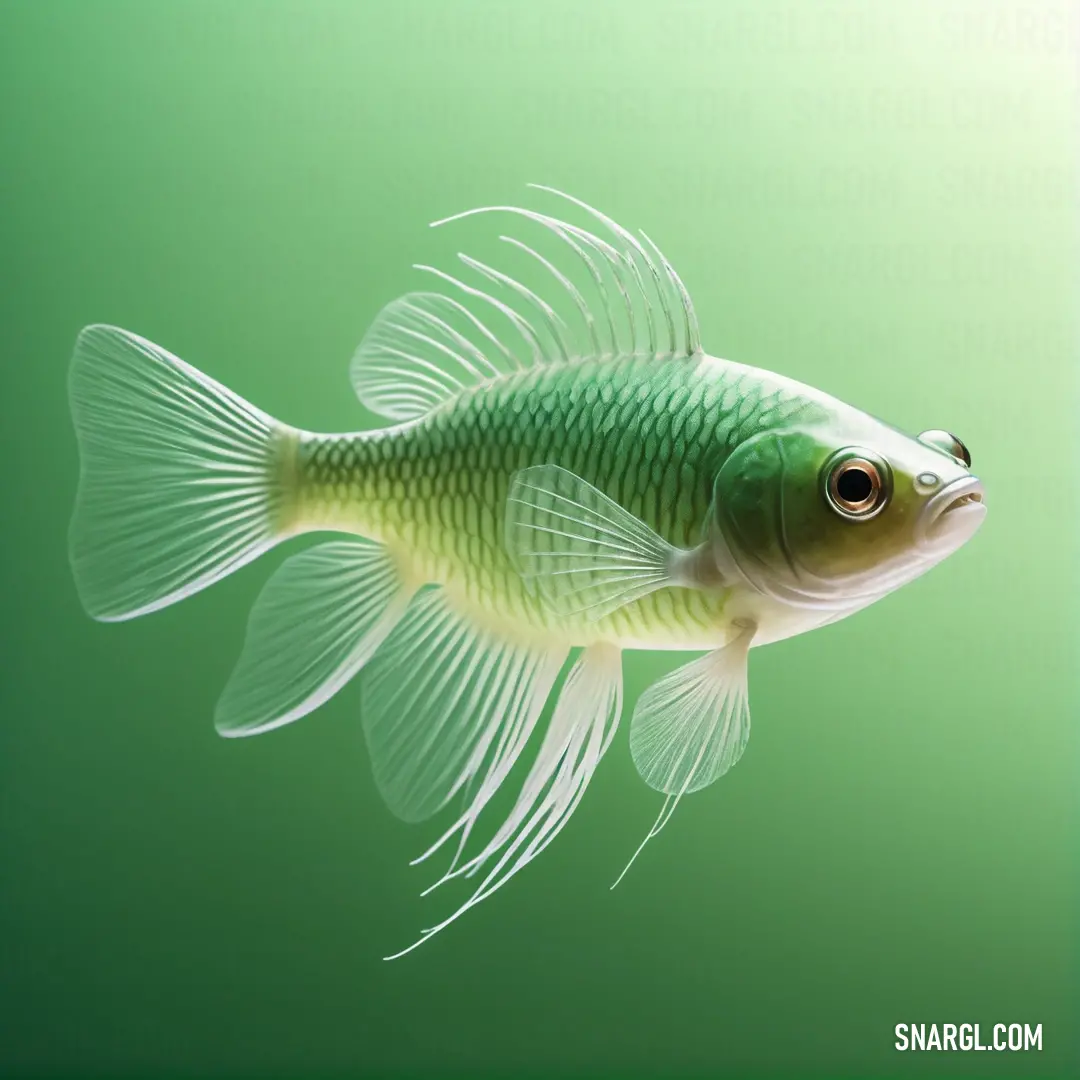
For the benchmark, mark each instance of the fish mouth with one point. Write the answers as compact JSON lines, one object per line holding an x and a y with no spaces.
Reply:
{"x":963,"y":500}
{"x":957,"y":508}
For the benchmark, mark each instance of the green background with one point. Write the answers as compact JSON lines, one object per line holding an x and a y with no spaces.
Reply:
{"x":876,"y":199}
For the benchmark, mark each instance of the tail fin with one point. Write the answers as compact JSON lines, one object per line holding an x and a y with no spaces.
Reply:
{"x":182,"y":481}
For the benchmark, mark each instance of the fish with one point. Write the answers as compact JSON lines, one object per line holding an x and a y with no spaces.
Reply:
{"x":564,"y":475}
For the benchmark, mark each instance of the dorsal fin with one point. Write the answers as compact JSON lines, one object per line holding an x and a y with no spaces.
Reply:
{"x":563,"y":293}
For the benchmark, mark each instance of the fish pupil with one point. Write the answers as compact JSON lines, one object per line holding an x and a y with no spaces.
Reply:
{"x":854,"y":486}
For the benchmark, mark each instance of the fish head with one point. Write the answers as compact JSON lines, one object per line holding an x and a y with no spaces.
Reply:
{"x":839,"y":515}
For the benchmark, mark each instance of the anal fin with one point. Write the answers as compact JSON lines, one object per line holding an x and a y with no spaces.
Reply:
{"x":318,"y":620}
{"x":447,"y":706}
{"x":581,"y":730}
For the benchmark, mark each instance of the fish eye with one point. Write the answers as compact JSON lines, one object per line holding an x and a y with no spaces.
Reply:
{"x":856,"y":484}
{"x":945,"y":440}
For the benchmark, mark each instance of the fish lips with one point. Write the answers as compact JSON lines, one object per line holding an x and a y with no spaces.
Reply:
{"x":951,"y":517}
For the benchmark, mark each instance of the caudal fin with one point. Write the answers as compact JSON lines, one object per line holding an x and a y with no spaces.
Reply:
{"x":182,"y":481}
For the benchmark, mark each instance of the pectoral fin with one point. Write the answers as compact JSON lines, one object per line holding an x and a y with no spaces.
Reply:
{"x":582,"y":551}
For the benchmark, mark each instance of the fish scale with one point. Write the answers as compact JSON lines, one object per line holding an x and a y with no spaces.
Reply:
{"x":435,"y":489}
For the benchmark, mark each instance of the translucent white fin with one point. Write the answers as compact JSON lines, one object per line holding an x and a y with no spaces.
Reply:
{"x":581,"y":730}
{"x":690,"y":727}
{"x":657,"y":827}
{"x":181,"y":480}
{"x":558,"y":292}
{"x":447,"y":706}
{"x":421,"y":350}
{"x":316,"y":622}
{"x":581,"y":550}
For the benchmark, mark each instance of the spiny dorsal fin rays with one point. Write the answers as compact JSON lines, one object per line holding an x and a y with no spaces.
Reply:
{"x":569,"y":234}
{"x":571,"y":289}
{"x":693,"y":336}
{"x":519,"y":322}
{"x":481,"y":327}
{"x":629,"y":237}
{"x":624,"y":302}
{"x":690,"y":324}
{"x":615,"y":261}
{"x":555,"y":323}
{"x":666,"y":281}
{"x":481,"y":368}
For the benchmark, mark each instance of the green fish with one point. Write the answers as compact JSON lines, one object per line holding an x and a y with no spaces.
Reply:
{"x":567,"y":474}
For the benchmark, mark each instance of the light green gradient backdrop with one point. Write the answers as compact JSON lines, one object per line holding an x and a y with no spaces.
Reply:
{"x":877,"y":199}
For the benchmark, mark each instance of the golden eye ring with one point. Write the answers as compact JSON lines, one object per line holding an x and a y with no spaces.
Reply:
{"x":856,"y":485}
